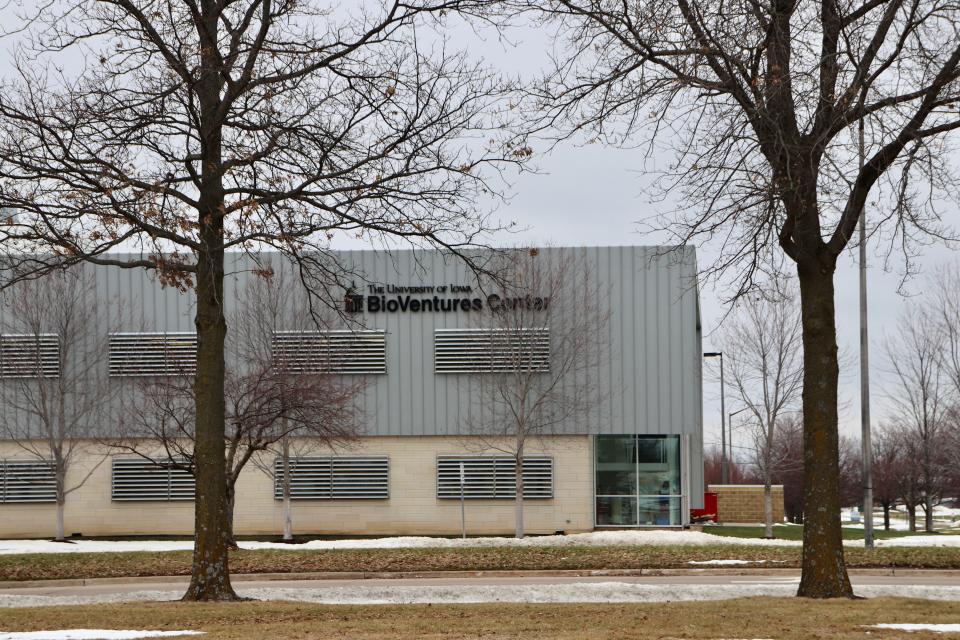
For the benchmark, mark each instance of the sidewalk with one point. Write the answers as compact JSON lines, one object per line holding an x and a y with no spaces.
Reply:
{"x":408,"y":575}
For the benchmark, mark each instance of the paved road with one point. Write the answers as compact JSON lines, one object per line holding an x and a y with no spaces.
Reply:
{"x":495,"y":589}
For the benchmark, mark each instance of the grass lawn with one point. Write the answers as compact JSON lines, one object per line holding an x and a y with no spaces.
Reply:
{"x":779,"y":618}
{"x":795,"y":532}
{"x":94,"y":565}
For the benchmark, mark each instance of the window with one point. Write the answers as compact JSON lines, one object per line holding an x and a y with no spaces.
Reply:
{"x":638,"y":481}
{"x":491,"y":350}
{"x":335,"y":478}
{"x":27,"y":481}
{"x":30,"y":356}
{"x":153,"y":354}
{"x":494,"y":477}
{"x":140,"y":479}
{"x":343,"y":352}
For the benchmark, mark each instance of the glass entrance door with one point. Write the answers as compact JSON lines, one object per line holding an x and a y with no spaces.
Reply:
{"x":638,"y":481}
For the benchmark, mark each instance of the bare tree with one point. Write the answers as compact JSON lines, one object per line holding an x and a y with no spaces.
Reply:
{"x":764,"y":106}
{"x":712,"y":468}
{"x":946,"y":284}
{"x":763,"y":346}
{"x":851,"y":478}
{"x":919,"y":400}
{"x":57,"y":398}
{"x":545,"y":326}
{"x":910,"y":478}
{"x":788,"y":450}
{"x":195,"y":127}
{"x":270,"y":398}
{"x":278,"y":464}
{"x":888,"y":470}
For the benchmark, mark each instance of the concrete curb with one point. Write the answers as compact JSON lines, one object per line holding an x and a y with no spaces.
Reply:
{"x":386,"y":575}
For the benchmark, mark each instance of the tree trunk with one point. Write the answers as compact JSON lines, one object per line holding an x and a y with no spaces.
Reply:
{"x":767,"y":510}
{"x":287,"y":502}
{"x":824,"y":573}
{"x":912,"y":517}
{"x":768,"y":484}
{"x":928,"y":514}
{"x":61,"y":483}
{"x":886,"y":517}
{"x":61,"y":534}
{"x":518,"y":501}
{"x":210,"y":577}
{"x":231,"y":504}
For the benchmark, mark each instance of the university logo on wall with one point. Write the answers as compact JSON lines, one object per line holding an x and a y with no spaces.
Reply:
{"x":353,"y":303}
{"x":393,"y":298}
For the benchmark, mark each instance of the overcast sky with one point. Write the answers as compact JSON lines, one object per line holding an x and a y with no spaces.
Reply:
{"x":593,"y":195}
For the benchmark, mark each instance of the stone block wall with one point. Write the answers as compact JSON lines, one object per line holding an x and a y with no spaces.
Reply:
{"x":744,"y":503}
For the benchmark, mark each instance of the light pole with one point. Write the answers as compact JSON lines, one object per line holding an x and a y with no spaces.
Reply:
{"x":866,"y":447}
{"x":724,"y":476}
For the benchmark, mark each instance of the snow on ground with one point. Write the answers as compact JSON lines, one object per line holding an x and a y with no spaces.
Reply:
{"x":655,"y":537}
{"x":914,"y":541}
{"x":939,"y":510}
{"x":595,"y":538}
{"x":938,"y":628}
{"x":91,"y":546}
{"x":589,"y":592}
{"x":93,"y":634}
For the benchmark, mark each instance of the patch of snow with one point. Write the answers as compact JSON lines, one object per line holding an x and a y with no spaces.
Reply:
{"x":938,"y":510}
{"x":938,"y":628}
{"x":653,"y":537}
{"x":92,"y":546}
{"x":93,"y":634}
{"x":915,"y":541}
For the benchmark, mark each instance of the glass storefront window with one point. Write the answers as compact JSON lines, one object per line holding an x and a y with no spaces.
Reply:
{"x":617,"y":512}
{"x":659,"y":512}
{"x":616,"y":466}
{"x":638,"y":481}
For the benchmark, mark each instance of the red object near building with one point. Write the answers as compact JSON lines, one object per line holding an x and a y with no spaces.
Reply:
{"x":709,"y":511}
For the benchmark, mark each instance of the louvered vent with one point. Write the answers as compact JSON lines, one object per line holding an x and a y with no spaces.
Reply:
{"x":153,"y":354}
{"x":30,"y":356}
{"x":494,"y":477}
{"x":491,"y":350}
{"x":139,"y":479}
{"x":344,"y":352}
{"x":27,"y":481}
{"x":335,"y":478}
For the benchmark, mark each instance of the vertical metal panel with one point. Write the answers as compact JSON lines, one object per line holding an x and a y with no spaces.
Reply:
{"x":652,"y":370}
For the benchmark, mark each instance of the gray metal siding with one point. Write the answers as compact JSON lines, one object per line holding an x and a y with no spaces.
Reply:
{"x":653,"y":369}
{"x":654,"y":364}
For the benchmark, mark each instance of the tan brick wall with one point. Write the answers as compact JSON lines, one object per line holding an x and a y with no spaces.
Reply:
{"x":412,"y":508}
{"x":744,"y":503}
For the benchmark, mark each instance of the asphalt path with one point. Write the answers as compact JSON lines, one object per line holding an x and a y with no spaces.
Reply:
{"x":538,"y":589}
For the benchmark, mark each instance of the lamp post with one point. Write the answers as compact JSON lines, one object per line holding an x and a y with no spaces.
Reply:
{"x":724,"y":475}
{"x":865,"y":444}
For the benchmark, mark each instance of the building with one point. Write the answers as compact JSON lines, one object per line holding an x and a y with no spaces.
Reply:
{"x":413,"y":327}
